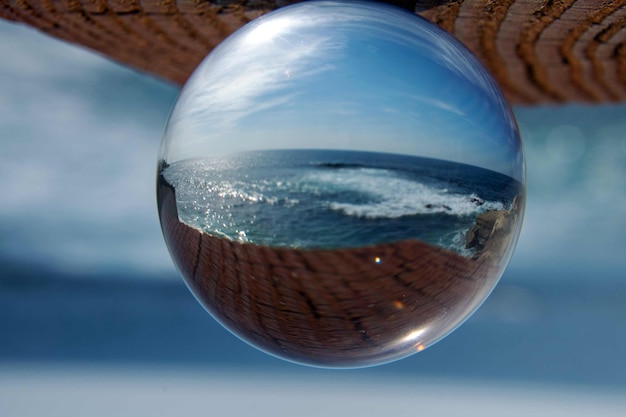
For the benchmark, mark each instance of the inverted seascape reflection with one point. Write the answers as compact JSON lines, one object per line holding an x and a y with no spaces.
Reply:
{"x":341,"y":184}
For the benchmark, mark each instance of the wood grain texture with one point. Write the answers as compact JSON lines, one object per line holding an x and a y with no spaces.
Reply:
{"x":550,"y":51}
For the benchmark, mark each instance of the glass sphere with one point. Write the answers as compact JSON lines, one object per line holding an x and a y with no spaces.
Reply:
{"x":341,"y":184}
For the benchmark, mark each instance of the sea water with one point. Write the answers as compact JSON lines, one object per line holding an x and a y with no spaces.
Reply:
{"x":336,"y":199}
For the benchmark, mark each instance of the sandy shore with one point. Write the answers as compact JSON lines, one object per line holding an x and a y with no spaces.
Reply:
{"x":328,"y":307}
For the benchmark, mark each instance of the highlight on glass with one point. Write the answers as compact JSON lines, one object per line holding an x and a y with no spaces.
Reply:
{"x":341,"y":184}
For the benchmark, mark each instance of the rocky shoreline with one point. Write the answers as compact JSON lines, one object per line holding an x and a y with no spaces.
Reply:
{"x":493,"y":230}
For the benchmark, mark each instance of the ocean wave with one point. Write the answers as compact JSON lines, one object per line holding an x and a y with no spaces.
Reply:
{"x":455,"y":242}
{"x":391,"y":196}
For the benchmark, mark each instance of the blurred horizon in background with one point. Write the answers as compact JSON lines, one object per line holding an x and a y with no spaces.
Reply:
{"x":90,"y":301}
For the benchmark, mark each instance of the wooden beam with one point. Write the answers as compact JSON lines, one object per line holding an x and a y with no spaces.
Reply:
{"x":551,"y":51}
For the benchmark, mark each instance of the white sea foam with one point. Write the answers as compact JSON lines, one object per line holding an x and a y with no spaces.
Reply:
{"x":390,"y":196}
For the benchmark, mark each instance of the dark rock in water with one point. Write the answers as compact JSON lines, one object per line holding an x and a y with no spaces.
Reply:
{"x":477,"y":201}
{"x":443,"y":206}
{"x":338,"y":165}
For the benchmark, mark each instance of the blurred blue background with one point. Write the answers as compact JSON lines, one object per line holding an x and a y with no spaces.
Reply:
{"x":94,"y":319}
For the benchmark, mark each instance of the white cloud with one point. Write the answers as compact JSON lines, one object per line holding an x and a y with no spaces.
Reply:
{"x":78,"y":157}
{"x":27,"y":55}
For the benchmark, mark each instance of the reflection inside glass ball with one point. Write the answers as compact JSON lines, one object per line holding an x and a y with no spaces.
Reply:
{"x":341,"y":184}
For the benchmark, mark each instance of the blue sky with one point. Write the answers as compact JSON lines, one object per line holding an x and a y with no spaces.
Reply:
{"x":80,"y":138}
{"x":367,"y":80}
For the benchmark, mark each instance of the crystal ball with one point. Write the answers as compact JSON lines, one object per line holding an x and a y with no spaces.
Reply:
{"x":341,"y":184}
